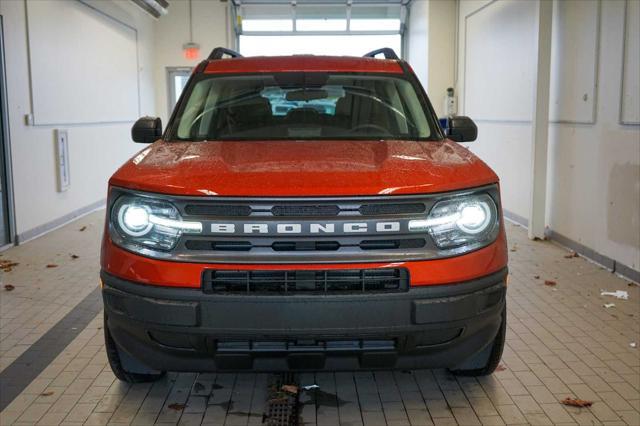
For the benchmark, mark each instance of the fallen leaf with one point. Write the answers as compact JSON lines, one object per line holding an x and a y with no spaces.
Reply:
{"x":75,"y":256}
{"x":84,"y":228}
{"x":292,"y":389}
{"x":47,"y":393}
{"x":52,"y":265}
{"x":549,"y":282}
{"x":537,"y":277}
{"x":7,"y":265}
{"x":8,"y":287}
{"x":177,"y":407}
{"x":198,"y":387}
{"x":575,"y":402}
{"x":501,"y":368}
{"x":632,"y":284}
{"x":571,"y":255}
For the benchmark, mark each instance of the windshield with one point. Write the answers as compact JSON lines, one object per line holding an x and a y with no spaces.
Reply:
{"x":302,"y":106}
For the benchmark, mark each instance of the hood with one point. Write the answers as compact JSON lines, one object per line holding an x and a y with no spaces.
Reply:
{"x":303,"y":168}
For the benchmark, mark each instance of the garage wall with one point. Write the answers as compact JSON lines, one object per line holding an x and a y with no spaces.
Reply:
{"x":431,"y":46}
{"x":594,"y":168}
{"x":417,"y":40}
{"x":211,"y":28}
{"x":95,"y":150}
{"x":495,"y":88}
{"x":593,"y":195}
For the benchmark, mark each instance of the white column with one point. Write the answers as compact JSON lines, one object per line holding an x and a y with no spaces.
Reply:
{"x":540,"y":122}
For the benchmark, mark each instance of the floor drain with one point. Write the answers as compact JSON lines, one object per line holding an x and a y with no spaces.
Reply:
{"x":282,"y":407}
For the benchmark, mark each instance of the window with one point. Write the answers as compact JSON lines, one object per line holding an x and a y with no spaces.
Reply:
{"x":177,"y":78}
{"x":302,"y":106}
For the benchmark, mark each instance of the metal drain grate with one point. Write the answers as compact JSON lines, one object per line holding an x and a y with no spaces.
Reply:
{"x":282,"y":407}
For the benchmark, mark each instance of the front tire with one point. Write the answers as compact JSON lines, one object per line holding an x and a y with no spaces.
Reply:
{"x":122,"y":364}
{"x":486,"y":361}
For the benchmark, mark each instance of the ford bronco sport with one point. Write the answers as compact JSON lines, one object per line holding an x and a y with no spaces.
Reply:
{"x":303,"y":213}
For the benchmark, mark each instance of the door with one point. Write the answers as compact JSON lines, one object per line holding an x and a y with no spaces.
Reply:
{"x":6,"y":199}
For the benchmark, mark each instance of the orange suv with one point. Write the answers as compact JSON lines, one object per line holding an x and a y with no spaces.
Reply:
{"x":303,"y":213}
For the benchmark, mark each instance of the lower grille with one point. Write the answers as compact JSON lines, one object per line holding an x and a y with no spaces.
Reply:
{"x":306,"y":282}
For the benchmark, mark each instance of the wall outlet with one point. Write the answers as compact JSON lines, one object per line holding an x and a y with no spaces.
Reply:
{"x":62,"y":160}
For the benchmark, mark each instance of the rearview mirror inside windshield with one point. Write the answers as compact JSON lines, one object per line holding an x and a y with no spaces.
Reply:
{"x":307,"y":95}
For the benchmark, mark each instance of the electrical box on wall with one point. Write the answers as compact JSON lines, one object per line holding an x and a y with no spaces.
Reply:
{"x":62,"y":160}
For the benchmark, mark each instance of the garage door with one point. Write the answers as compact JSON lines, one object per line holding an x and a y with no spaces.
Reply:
{"x":353,"y":27}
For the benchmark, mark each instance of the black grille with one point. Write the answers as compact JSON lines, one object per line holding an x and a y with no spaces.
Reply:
{"x":306,"y":281}
{"x":293,"y":210}
{"x":303,"y":210}
{"x":305,"y":245}
{"x":217,"y":210}
{"x":391,"y":208}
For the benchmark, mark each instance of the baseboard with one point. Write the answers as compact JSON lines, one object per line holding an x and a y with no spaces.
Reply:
{"x":57,"y":223}
{"x":606,"y":261}
{"x":515,"y":218}
{"x":599,"y":258}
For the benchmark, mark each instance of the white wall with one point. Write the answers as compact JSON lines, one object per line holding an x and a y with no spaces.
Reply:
{"x":593,"y":194}
{"x":442,"y":35}
{"x":417,"y":40}
{"x":95,"y":150}
{"x":504,"y":139}
{"x":431,"y":46}
{"x":594,"y":175}
{"x":211,"y":28}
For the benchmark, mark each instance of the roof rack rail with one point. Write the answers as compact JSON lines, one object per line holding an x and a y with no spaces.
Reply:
{"x":220,"y":52}
{"x":388,"y":53}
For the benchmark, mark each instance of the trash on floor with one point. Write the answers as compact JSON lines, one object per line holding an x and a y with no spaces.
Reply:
{"x":575,"y":402}
{"x":292,"y":389}
{"x":620,"y":294}
{"x":177,"y":407}
{"x":633,"y":345}
{"x":571,"y":255}
{"x":549,"y":282}
{"x":609,"y":305}
{"x":8,"y":287}
{"x":311,"y":387}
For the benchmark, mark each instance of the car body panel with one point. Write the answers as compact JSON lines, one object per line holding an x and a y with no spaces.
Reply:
{"x":306,"y":63}
{"x":303,"y":168}
{"x":133,"y":267}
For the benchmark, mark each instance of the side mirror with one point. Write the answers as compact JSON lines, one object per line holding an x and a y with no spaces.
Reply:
{"x":461,"y":129}
{"x":147,"y":130}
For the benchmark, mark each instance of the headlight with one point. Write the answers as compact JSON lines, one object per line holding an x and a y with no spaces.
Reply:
{"x":465,"y":222}
{"x":141,"y":222}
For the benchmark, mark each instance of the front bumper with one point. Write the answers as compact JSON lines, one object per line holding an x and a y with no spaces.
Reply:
{"x":177,"y":329}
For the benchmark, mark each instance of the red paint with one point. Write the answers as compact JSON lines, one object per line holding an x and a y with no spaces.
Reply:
{"x":129,"y":266}
{"x":306,"y":63}
{"x":303,"y":168}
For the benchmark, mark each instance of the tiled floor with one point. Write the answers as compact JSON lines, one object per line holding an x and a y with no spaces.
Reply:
{"x":561,"y":342}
